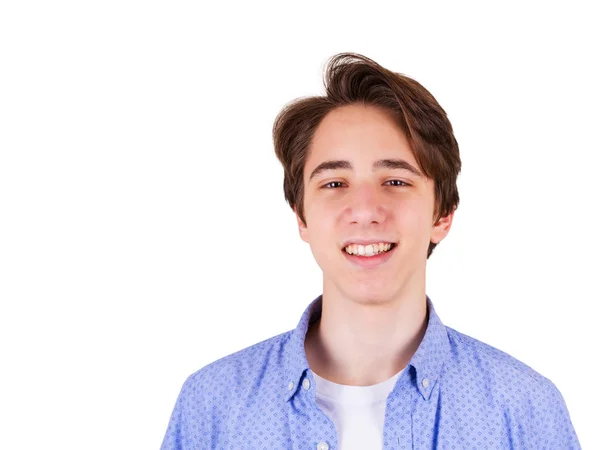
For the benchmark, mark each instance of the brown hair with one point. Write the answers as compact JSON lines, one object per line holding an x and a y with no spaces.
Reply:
{"x":352,"y":78}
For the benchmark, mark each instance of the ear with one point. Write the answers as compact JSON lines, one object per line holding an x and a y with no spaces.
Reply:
{"x":302,"y":229}
{"x":441,"y":228}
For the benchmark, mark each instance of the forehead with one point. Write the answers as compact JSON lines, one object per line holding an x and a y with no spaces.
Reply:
{"x":361,"y":133}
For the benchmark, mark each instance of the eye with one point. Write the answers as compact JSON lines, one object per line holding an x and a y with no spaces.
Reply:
{"x":397,"y":183}
{"x":331,"y":183}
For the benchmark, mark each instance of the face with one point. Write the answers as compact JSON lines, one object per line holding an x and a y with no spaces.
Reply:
{"x":363,"y":186}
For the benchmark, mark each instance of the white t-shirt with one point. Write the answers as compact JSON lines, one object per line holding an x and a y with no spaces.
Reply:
{"x":358,"y":412}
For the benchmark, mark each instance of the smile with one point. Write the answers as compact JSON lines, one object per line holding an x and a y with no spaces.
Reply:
{"x":368,"y":261}
{"x":368,"y":250}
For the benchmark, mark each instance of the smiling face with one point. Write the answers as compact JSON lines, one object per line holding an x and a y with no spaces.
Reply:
{"x":363,"y":185}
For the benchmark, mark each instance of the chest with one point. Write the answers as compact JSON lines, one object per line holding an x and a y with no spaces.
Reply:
{"x":408,"y":422}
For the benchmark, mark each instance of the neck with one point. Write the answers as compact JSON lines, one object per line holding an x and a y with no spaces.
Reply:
{"x":365,"y":343}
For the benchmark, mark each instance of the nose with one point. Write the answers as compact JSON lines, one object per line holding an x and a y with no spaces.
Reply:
{"x":365,"y":205}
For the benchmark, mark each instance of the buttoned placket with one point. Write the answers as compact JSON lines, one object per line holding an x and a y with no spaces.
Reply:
{"x":304,"y":401}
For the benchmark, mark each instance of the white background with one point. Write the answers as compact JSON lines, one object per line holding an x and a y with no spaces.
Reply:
{"x":143,"y":228}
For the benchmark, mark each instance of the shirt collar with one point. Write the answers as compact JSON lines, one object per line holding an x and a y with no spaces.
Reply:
{"x":427,"y":361}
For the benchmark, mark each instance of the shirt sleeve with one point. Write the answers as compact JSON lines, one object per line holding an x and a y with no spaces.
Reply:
{"x":558,"y":431}
{"x":183,"y":432}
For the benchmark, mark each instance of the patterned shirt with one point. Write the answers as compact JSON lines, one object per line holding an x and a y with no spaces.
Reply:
{"x":455,"y":393}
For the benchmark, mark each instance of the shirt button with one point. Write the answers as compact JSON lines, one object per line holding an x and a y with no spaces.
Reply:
{"x":306,"y":385}
{"x":291,"y":386}
{"x":425,"y":382}
{"x":322,"y":446}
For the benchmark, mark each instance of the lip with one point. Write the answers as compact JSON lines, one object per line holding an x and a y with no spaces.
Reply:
{"x":365,"y":242}
{"x":369,"y":262}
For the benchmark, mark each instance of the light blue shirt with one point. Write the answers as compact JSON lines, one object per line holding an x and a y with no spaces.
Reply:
{"x":456,"y":393}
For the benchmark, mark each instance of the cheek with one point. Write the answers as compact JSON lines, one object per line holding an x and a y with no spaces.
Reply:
{"x":320,"y":220}
{"x":415,"y":217}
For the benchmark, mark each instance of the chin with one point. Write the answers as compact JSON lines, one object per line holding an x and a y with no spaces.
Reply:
{"x":370,"y":294}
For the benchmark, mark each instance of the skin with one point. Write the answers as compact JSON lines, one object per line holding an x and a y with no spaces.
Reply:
{"x":373,"y":319}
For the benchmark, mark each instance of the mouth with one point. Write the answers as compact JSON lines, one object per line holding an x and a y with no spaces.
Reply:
{"x":369,"y":256}
{"x":368,"y":250}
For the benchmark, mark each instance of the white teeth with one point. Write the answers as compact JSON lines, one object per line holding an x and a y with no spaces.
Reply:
{"x":367,"y":250}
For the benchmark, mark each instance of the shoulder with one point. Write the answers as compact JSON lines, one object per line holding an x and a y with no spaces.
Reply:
{"x":473,"y":354}
{"x":208,"y":396}
{"x":240,"y":368}
{"x":528,"y":403}
{"x":503,"y":379}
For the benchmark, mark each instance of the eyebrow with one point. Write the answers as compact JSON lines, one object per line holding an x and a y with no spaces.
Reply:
{"x":380,"y":164}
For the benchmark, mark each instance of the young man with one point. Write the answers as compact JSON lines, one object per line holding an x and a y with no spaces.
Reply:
{"x":370,"y":170}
